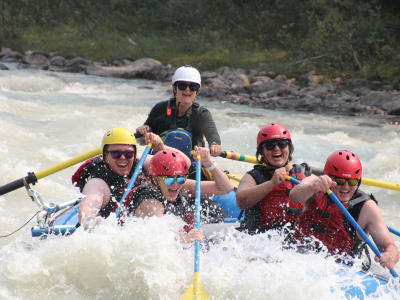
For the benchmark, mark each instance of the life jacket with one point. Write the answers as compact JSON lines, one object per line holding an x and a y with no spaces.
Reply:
{"x":97,"y":168}
{"x":192,"y":126}
{"x":324,"y":221}
{"x":276,"y":209}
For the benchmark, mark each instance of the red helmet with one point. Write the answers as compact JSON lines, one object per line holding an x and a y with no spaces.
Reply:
{"x":272,"y":132}
{"x":168,"y":162}
{"x":343,"y":163}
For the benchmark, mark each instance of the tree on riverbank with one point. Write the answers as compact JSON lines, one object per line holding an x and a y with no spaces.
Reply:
{"x":335,"y":37}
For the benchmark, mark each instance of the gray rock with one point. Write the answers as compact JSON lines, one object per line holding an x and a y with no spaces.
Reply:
{"x":35,"y":58}
{"x":58,"y":61}
{"x":134,"y":70}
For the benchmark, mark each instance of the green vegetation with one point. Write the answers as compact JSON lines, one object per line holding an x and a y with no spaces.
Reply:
{"x":334,"y":37}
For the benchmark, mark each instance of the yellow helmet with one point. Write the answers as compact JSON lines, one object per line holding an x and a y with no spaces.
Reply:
{"x":118,"y":136}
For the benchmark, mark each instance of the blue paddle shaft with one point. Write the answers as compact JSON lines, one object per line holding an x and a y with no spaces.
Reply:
{"x":133,"y":178}
{"x":350,"y":218}
{"x":394,"y":231}
{"x":197,"y":215}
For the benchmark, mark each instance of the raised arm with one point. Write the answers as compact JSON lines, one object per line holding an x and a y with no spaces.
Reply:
{"x":219,"y":186}
{"x":158,"y":145}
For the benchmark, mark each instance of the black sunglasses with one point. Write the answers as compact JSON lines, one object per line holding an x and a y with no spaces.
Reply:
{"x":118,"y":153}
{"x":270,"y":145}
{"x":194,"y":87}
{"x":342,"y":181}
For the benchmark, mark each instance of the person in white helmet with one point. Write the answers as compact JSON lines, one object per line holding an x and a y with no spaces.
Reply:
{"x":180,"y":121}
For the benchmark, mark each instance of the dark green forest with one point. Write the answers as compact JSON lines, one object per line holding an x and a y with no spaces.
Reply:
{"x":334,"y":37}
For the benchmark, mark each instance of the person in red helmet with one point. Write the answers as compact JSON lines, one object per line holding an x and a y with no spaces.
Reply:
{"x":169,"y":191}
{"x":263,"y":192}
{"x":323,"y":220}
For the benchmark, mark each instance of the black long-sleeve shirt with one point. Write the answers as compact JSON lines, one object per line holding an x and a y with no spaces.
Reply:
{"x":197,"y":120}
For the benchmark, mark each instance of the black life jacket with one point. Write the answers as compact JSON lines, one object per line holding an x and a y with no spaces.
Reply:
{"x":97,"y":168}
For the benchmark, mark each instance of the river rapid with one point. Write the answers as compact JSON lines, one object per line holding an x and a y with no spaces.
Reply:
{"x":47,"y":118}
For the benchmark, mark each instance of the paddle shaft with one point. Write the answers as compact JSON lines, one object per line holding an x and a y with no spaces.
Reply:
{"x":197,"y":216}
{"x":394,"y":231}
{"x":32,"y":178}
{"x":367,"y":181}
{"x":350,"y":218}
{"x":133,"y":178}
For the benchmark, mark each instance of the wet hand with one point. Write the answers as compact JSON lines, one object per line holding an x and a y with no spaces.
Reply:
{"x":154,"y":140}
{"x":215,"y":150}
{"x":386,"y":260}
{"x":143,"y":129}
{"x":319,"y":183}
{"x":279,"y":176}
{"x":204,"y":156}
{"x":195,"y":235}
{"x":323,"y":183}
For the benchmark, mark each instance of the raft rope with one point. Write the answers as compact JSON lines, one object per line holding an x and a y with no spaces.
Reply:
{"x":26,"y":223}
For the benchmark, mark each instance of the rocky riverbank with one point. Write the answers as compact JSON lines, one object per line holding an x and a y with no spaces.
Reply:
{"x":308,"y":93}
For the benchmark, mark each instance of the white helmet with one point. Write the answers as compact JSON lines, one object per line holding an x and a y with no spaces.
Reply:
{"x":186,"y":73}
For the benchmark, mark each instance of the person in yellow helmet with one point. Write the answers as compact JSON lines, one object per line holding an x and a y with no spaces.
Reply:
{"x":104,"y":178}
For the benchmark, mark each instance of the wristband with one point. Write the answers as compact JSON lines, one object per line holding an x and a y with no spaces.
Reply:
{"x":213,"y":166}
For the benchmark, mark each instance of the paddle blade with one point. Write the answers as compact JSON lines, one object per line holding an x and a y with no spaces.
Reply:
{"x":196,"y":290}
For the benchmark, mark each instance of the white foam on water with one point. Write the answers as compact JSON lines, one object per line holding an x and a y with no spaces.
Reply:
{"x":58,"y":116}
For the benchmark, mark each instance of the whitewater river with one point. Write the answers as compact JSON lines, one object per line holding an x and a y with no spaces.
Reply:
{"x":47,"y":118}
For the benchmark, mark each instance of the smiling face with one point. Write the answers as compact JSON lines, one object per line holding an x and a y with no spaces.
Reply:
{"x":344,"y":192}
{"x":186,"y":97}
{"x":170,"y":192}
{"x":277,"y":157}
{"x":122,"y":165}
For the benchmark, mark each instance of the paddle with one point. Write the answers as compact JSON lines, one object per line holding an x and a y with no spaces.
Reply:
{"x":350,"y":218}
{"x":33,"y":178}
{"x":367,"y":181}
{"x":394,"y":231}
{"x":196,"y":290}
{"x":134,"y":177}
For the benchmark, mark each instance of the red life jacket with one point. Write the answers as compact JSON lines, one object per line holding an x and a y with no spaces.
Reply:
{"x":324,"y":221}
{"x":276,"y":209}
{"x":97,"y":168}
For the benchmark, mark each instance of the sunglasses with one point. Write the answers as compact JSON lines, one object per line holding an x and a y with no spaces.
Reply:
{"x":270,"y":145}
{"x":169,"y":180}
{"x":342,"y":181}
{"x":194,"y":87}
{"x":118,"y":153}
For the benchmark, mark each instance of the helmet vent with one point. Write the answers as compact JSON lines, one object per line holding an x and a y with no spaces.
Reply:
{"x":336,"y":169}
{"x":358,"y":171}
{"x":340,"y":153}
{"x":347,"y":157}
{"x":284,"y":132}
{"x":165,"y":168}
{"x":264,"y":135}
